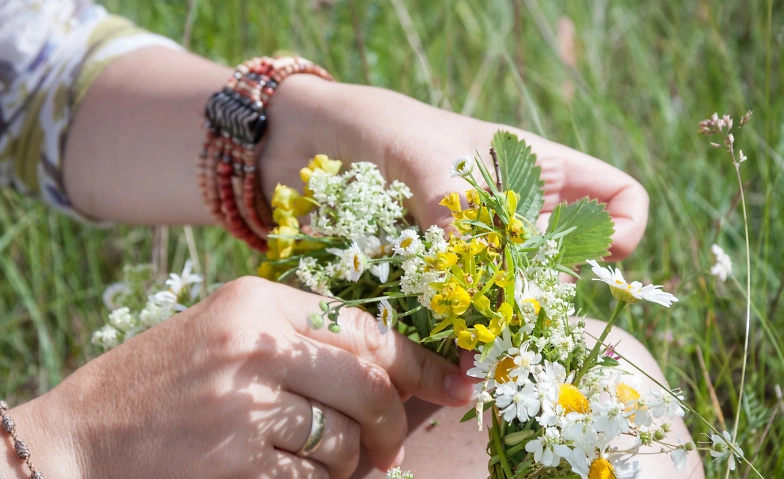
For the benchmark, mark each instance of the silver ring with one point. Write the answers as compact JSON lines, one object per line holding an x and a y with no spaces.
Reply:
{"x":317,"y":426}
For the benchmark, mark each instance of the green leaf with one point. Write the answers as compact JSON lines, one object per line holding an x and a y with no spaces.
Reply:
{"x":472,"y":413}
{"x":438,"y":336}
{"x":590,"y":238}
{"x":520,"y":173}
{"x":514,"y":438}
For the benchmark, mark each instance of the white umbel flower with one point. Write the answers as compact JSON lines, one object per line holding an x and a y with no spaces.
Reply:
{"x":387,"y":316}
{"x":461,"y":167}
{"x":723,"y":266}
{"x":630,"y":292}
{"x":107,"y":337}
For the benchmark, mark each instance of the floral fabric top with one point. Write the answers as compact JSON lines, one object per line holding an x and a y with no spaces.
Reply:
{"x":50,"y":53}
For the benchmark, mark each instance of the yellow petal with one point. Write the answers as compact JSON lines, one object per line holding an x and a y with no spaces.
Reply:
{"x":511,"y":202}
{"x":467,"y":340}
{"x":451,"y":201}
{"x":483,"y":334}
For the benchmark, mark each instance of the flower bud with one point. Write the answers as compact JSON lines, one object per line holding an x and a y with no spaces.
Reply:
{"x":316,"y":321}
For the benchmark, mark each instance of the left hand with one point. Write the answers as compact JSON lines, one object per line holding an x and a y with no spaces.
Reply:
{"x":416,"y":143}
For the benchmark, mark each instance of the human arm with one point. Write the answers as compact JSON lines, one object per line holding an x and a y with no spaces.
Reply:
{"x":131,"y":151}
{"x":220,"y":391}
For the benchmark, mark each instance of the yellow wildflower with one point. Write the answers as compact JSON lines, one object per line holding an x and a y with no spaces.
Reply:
{"x":473,"y":198}
{"x":452,"y":301}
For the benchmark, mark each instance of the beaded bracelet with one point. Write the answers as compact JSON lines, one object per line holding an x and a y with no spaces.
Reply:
{"x":19,"y":446}
{"x":236,"y":121}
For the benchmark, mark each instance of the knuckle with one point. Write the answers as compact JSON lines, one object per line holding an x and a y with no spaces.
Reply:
{"x":371,"y":343}
{"x":380,"y":393}
{"x":240,"y":288}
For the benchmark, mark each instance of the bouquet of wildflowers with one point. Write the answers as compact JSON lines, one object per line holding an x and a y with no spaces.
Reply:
{"x":557,"y":407}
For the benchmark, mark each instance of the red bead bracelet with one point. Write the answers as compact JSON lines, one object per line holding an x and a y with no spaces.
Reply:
{"x":236,"y":121}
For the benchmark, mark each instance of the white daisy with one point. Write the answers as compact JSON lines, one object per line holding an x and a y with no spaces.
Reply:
{"x":177,"y":282}
{"x":528,"y":297}
{"x":387,"y":316}
{"x":353,"y":261}
{"x":408,"y":243}
{"x":113,"y":293}
{"x":381,"y":271}
{"x":723,"y":266}
{"x":630,"y":292}
{"x":496,"y":367}
{"x":461,"y":167}
{"x":722,"y":446}
{"x":604,"y":464}
{"x":516,"y":402}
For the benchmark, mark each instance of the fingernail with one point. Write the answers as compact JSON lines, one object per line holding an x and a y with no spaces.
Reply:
{"x":399,"y":458}
{"x":458,"y":388}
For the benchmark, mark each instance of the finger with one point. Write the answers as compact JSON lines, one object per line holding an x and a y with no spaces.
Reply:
{"x":412,"y":368}
{"x":286,"y":464}
{"x":466,"y":363}
{"x":355,"y":387}
{"x":339,"y":448}
{"x":585,"y":176}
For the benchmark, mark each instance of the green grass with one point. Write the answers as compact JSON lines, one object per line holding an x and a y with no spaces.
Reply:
{"x":645,"y":74}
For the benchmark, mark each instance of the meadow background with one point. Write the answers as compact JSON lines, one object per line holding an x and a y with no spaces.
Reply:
{"x":626,"y":81}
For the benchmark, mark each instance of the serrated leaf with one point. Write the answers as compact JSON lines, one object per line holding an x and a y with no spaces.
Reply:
{"x":519,"y":173}
{"x":590,"y":238}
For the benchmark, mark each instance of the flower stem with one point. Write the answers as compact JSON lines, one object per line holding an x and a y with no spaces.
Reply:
{"x":595,"y":351}
{"x":748,"y":305}
{"x":499,"y":446}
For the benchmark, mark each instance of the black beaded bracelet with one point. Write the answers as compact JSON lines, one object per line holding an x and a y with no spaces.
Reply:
{"x":19,"y":446}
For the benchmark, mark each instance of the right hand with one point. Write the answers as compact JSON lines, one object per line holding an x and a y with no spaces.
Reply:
{"x":221,"y":390}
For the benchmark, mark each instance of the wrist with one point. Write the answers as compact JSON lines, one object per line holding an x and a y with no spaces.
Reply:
{"x":47,"y":428}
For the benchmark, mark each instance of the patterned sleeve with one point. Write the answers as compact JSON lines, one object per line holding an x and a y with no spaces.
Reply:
{"x":50,"y":53}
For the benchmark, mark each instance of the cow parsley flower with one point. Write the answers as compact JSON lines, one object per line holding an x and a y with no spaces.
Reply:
{"x":397,"y":473}
{"x":107,"y":337}
{"x":461,"y":167}
{"x":723,"y":266}
{"x":122,"y":319}
{"x":630,"y":292}
{"x":387,"y":316}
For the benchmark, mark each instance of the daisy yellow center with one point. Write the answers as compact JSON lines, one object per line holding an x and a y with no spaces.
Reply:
{"x":626,"y":393}
{"x":461,"y":165}
{"x":502,"y":370}
{"x":356,"y":262}
{"x":385,"y":317}
{"x":572,"y":400}
{"x":601,"y":469}
{"x":535,"y":304}
{"x":406,"y":243}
